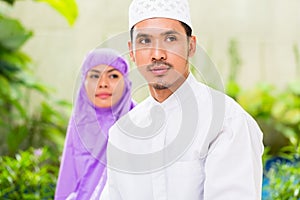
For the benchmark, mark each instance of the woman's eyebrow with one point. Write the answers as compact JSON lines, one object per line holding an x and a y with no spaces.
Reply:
{"x":98,"y":71}
{"x":95,"y":70}
{"x":111,"y":70}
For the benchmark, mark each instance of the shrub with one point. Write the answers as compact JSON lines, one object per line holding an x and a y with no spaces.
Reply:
{"x":29,"y":175}
{"x":283,"y":181}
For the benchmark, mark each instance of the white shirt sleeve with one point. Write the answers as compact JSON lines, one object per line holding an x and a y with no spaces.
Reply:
{"x":233,"y":165}
{"x":72,"y":196}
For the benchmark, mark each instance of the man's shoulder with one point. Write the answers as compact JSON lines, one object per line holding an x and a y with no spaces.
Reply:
{"x":141,"y":108}
{"x":139,"y":115}
{"x":218,"y":99}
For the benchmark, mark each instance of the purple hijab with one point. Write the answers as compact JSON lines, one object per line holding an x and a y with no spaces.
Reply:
{"x":83,"y":163}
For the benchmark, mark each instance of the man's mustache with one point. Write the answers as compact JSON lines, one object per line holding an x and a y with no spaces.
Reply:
{"x":158,"y":64}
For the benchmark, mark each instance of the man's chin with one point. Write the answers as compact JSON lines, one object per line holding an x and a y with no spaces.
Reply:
{"x":158,"y":86}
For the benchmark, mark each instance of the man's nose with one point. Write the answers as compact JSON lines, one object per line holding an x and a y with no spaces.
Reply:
{"x":158,"y":52}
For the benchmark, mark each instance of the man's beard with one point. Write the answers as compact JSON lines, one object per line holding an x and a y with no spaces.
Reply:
{"x":160,"y":84}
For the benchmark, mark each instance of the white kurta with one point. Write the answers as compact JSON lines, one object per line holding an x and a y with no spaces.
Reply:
{"x":217,"y":156}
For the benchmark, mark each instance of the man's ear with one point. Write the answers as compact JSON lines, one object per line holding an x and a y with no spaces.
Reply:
{"x":130,"y":47}
{"x":192,"y":46}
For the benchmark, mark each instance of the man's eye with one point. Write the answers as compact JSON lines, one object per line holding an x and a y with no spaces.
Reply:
{"x":171,"y":38}
{"x":144,"y":41}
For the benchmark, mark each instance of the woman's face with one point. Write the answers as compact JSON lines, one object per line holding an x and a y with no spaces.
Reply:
{"x":104,"y":86}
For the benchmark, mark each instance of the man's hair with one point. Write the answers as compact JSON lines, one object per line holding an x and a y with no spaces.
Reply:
{"x":187,"y":29}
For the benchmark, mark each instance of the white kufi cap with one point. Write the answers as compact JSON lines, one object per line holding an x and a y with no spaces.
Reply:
{"x":140,"y":10}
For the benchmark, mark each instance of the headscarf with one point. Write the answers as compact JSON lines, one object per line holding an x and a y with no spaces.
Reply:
{"x":83,"y":162}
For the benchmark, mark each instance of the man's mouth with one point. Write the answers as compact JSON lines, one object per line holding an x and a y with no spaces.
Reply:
{"x":159,"y":69}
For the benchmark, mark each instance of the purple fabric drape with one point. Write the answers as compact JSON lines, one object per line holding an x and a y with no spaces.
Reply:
{"x":83,"y":163}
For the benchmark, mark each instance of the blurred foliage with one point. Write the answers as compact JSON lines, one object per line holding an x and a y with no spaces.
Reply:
{"x":20,"y":127}
{"x":277,"y":112}
{"x":232,"y":88}
{"x":67,"y":8}
{"x":23,"y":124}
{"x":234,"y":58}
{"x":9,"y":1}
{"x":13,"y":35}
{"x":29,"y":175}
{"x":283,"y":181}
{"x":297,"y":58}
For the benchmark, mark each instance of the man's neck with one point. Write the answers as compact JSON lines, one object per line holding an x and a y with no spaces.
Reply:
{"x":160,"y":95}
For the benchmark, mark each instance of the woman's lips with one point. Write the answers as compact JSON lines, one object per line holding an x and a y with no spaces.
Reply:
{"x":103,"y":95}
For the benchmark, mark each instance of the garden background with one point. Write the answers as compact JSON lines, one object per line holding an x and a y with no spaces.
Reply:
{"x":254,"y":45}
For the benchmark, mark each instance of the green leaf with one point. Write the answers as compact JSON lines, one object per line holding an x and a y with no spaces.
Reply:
{"x":28,"y":175}
{"x":5,"y":87}
{"x":294,"y":86}
{"x":67,"y":8}
{"x":13,"y":35}
{"x":232,"y":88}
{"x":30,"y":82}
{"x":15,"y":138}
{"x":258,"y":101}
{"x":292,"y":116}
{"x":11,"y":2}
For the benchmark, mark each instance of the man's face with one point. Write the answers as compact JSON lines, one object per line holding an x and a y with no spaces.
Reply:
{"x":160,"y":48}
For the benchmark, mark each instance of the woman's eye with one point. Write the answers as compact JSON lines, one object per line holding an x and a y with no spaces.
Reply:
{"x":113,"y":76}
{"x":96,"y":76}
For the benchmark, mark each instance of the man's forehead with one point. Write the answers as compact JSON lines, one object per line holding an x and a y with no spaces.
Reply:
{"x":158,"y":22}
{"x":158,"y":26}
{"x":148,"y":32}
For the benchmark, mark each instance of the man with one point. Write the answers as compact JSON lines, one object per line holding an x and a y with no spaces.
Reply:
{"x":186,"y":141}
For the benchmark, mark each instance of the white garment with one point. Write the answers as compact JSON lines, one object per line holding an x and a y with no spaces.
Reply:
{"x":222,"y":161}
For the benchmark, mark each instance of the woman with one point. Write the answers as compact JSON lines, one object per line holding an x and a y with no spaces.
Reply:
{"x":103,"y":97}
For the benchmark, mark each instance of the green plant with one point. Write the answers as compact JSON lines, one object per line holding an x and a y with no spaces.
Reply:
{"x":283,"y":181}
{"x":21,"y":127}
{"x":286,"y":113}
{"x":232,"y":87}
{"x":45,"y":127}
{"x":297,"y":58}
{"x":258,"y":101}
{"x":30,"y":175}
{"x":278,"y":113}
{"x":67,"y":8}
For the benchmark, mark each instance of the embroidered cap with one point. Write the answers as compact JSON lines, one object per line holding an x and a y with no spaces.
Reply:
{"x":140,"y":10}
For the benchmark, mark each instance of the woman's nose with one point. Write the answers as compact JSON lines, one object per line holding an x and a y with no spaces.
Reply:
{"x":103,"y":82}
